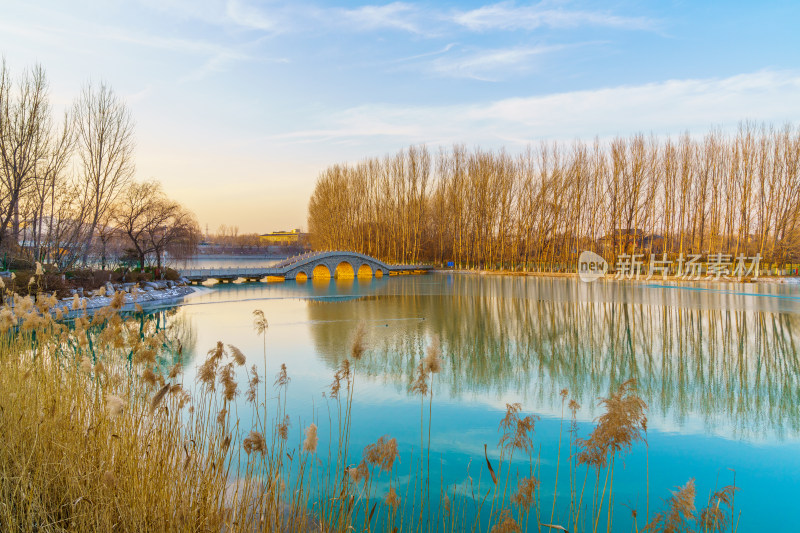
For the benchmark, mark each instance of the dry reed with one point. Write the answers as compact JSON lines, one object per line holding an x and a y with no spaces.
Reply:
{"x":97,"y":439}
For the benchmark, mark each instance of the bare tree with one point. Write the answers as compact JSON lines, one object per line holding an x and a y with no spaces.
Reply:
{"x":40,"y":202}
{"x":24,"y":129}
{"x":537,"y":211}
{"x":130,"y":216}
{"x":104,"y":130}
{"x":169,"y":227}
{"x":153,"y":223}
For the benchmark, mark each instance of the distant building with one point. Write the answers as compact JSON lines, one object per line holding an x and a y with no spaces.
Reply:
{"x":282,"y":238}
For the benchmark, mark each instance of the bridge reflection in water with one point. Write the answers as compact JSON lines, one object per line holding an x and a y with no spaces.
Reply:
{"x":726,"y":360}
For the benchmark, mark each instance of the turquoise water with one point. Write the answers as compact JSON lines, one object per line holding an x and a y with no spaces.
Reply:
{"x":716,"y":363}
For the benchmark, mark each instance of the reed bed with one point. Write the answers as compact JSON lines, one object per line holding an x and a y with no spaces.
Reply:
{"x":100,"y":432}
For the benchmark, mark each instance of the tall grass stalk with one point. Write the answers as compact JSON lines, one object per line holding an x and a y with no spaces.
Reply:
{"x":101,"y":433}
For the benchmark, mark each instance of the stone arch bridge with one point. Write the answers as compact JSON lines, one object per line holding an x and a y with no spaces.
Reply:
{"x":336,"y":264}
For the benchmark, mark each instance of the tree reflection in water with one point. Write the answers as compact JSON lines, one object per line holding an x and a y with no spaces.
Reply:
{"x":716,"y":352}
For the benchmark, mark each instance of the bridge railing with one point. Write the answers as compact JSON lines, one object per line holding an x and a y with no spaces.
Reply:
{"x":289,"y":261}
{"x":286,"y":265}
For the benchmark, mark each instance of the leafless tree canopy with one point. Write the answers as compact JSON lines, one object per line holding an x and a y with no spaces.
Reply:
{"x":24,"y":140}
{"x":104,"y":129}
{"x":153,"y":224}
{"x":737,"y":194}
{"x":65,"y":183}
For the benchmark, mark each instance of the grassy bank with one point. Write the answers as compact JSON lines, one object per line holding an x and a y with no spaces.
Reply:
{"x":101,"y":433}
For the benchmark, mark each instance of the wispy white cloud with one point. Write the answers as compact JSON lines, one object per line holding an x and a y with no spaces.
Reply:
{"x":213,"y":55}
{"x":221,"y":62}
{"x":396,"y":15}
{"x":243,"y":14}
{"x":424,"y":55}
{"x":87,"y":31}
{"x":173,"y":44}
{"x":669,"y":107}
{"x":214,"y":64}
{"x":510,"y":16}
{"x":207,"y":11}
{"x":487,"y":65}
{"x":503,"y":16}
{"x":284,"y":17}
{"x":663,"y":106}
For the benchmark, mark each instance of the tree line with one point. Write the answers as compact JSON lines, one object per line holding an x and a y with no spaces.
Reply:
{"x":537,"y":210}
{"x":67,"y":193}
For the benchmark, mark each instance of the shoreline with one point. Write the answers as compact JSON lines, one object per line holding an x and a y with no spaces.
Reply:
{"x":787,"y":280}
{"x":148,"y":300}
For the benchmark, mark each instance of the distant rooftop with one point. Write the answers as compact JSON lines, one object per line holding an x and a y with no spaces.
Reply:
{"x":282,"y":232}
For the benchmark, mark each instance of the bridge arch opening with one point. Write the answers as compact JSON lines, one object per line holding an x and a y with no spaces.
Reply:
{"x":379,"y":273}
{"x":344,"y":270}
{"x":301,"y":277}
{"x":321,"y":272}
{"x":364,"y":271}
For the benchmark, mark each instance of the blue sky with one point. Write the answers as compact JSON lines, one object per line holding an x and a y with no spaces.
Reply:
{"x":240,"y":103}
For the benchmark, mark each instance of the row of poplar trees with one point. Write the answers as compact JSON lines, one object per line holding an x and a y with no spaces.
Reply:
{"x":67,"y":194}
{"x":722,"y":193}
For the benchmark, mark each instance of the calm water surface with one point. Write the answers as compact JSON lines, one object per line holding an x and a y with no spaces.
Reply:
{"x":716,"y":363}
{"x":222,"y":261}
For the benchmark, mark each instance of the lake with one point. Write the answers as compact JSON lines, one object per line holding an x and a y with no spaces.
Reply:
{"x":227,"y":261}
{"x":716,"y":363}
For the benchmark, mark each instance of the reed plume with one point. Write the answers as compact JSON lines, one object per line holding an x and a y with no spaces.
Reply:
{"x":237,"y":355}
{"x":359,"y":474}
{"x":714,"y":517}
{"x":252,"y":389}
{"x":342,"y":374}
{"x":680,"y":511}
{"x":260,"y":322}
{"x":282,"y":377}
{"x":114,"y":405}
{"x":392,"y":499}
{"x":622,"y":424}
{"x":311,"y":440}
{"x":382,"y":453}
{"x":117,"y":301}
{"x":254,"y":442}
{"x":175,"y":371}
{"x":525,"y":492}
{"x":420,"y":383}
{"x":283,"y":428}
{"x":7,"y":320}
{"x":159,"y":397}
{"x":149,"y":377}
{"x":358,"y":346}
{"x":506,"y":524}
{"x":517,"y":431}
{"x":228,"y":381}
{"x":433,"y":358}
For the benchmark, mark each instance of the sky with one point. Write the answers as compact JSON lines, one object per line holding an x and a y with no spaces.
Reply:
{"x":239,"y":104}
